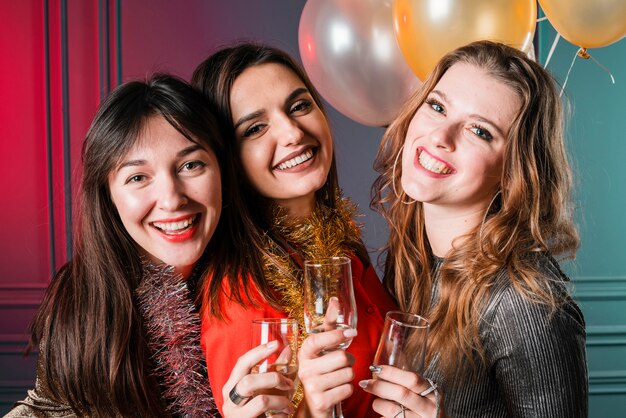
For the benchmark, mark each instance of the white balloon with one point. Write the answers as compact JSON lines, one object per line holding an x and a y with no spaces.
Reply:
{"x":349,"y":50}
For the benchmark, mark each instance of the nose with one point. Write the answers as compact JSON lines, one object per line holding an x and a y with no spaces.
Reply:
{"x":170,"y":194}
{"x":444,"y":136}
{"x":288,"y":132}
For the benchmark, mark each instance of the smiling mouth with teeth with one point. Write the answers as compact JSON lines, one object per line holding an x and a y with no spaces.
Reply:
{"x":299,"y":159}
{"x":433,"y":165}
{"x":172,"y":228}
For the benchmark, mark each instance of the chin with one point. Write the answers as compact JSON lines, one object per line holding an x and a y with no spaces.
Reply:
{"x":179,"y":262}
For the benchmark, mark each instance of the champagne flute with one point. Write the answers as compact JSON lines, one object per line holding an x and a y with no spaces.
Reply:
{"x":284,"y":359}
{"x":403,"y":341}
{"x":329,"y":300}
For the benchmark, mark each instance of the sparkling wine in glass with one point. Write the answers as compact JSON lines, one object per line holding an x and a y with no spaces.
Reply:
{"x":284,"y":359}
{"x":403,"y":341}
{"x":329,"y":299}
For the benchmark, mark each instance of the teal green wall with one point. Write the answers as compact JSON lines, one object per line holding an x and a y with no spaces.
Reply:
{"x":596,"y":134}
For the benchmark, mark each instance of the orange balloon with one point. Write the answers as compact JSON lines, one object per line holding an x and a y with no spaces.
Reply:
{"x":428,"y":29}
{"x":588,"y":24}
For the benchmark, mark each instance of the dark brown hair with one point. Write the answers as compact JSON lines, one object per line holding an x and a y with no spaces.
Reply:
{"x":531,"y":213}
{"x":215,"y":77}
{"x":94,"y":355}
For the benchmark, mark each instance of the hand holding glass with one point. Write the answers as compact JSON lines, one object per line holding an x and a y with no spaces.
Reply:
{"x":329,"y":300}
{"x":403,"y":341}
{"x":284,"y":359}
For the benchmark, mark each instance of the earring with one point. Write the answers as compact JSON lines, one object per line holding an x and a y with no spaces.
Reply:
{"x":393,"y":179}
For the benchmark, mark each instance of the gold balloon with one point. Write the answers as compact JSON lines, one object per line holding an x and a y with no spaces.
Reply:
{"x":588,"y":24}
{"x":428,"y":29}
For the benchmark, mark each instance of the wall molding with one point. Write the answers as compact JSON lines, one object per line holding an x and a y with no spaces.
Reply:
{"x":606,"y":335}
{"x":608,"y":382}
{"x":23,"y":295}
{"x":14,"y":344}
{"x":12,"y":391}
{"x":599,"y":288}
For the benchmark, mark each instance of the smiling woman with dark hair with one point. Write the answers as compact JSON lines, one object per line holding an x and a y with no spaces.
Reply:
{"x":118,"y":329}
{"x":291,"y":209}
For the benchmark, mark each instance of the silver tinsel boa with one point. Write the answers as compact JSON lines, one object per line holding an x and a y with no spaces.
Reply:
{"x":173,"y":331}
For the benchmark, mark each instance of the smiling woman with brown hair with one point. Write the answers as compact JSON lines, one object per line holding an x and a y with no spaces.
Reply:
{"x":475,"y":185}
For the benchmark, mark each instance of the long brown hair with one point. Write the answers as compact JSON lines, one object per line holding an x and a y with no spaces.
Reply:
{"x":215,"y":77}
{"x":531,"y":212}
{"x":94,"y":355}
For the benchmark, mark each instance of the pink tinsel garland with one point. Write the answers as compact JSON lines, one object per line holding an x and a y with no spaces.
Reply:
{"x":173,"y":329}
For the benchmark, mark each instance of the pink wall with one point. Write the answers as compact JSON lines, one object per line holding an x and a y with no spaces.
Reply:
{"x":49,"y":84}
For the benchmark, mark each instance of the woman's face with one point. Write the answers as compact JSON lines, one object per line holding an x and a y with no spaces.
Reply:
{"x":284,"y":139}
{"x":454,"y":147}
{"x":167,"y":191}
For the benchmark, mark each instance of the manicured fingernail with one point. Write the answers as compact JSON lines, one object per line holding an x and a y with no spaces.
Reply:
{"x":272,"y":345}
{"x":363,"y":383}
{"x":350,"y":333}
{"x":375,"y":369}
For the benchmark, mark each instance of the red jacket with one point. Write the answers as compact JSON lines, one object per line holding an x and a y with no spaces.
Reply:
{"x":225,"y":341}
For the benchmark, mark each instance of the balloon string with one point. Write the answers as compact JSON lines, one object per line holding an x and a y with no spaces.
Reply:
{"x":582,"y":52}
{"x":541,"y":19}
{"x":602,"y":66}
{"x":552,"y":48}
{"x":570,"y":70}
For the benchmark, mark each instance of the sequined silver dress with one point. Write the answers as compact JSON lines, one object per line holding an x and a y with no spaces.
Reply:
{"x":535,"y":361}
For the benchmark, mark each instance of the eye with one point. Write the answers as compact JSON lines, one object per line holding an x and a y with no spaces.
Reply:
{"x":192,"y":165}
{"x":301,"y":106}
{"x":481,"y":132}
{"x":436,"y":106}
{"x":253,"y":130}
{"x":137,"y":178}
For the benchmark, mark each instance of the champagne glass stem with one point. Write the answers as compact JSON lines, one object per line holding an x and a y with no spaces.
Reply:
{"x":337,"y":412}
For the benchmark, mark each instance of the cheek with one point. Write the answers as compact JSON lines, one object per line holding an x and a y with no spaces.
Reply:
{"x":329,"y":145}
{"x":214,"y":203}
{"x":254,"y":158}
{"x":491,"y":170}
{"x":327,"y":150}
{"x":496,"y":163}
{"x":417,"y":124}
{"x":405,"y":156}
{"x":130,"y":207}
{"x":324,"y":135}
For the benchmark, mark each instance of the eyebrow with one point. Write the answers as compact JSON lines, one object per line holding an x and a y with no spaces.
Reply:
{"x":473,"y":115}
{"x":182,"y":153}
{"x":297,"y":92}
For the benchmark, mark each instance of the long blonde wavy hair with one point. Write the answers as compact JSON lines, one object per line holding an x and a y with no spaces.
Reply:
{"x":530,"y":213}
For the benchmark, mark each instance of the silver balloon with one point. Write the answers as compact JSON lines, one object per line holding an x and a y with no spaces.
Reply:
{"x":349,"y":50}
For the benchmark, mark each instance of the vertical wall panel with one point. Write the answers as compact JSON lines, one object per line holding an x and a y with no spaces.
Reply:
{"x":25,"y":238}
{"x":49,"y":94}
{"x":56,"y":20}
{"x":24,"y":234}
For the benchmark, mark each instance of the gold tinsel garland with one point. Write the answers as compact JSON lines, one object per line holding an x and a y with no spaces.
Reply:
{"x":326,"y":233}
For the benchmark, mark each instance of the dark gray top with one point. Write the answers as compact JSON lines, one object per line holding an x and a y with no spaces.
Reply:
{"x":535,"y":360}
